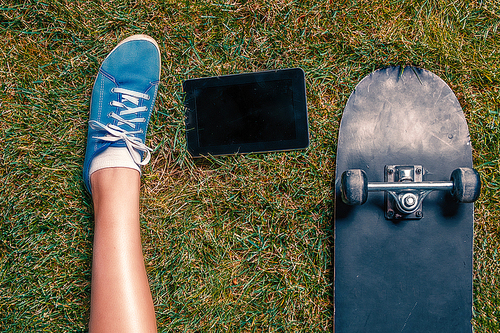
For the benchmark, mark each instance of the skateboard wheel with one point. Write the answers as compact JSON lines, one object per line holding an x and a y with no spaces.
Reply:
{"x":354,"y":187}
{"x":466,"y":185}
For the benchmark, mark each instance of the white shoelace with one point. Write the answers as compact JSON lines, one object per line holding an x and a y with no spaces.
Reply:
{"x":116,"y":133}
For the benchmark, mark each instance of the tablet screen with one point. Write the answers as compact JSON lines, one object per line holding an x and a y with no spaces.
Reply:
{"x":252,"y":112}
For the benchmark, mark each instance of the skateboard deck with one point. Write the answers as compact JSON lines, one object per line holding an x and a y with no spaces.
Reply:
{"x":397,"y":271}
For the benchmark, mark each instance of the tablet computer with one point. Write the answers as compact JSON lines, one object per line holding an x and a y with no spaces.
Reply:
{"x":243,"y":113}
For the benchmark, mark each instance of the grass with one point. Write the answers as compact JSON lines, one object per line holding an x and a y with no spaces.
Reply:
{"x":238,"y":243}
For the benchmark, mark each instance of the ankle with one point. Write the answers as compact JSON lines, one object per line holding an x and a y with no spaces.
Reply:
{"x":115,"y":179}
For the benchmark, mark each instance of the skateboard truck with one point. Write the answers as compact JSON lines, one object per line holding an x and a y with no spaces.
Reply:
{"x":405,"y":191}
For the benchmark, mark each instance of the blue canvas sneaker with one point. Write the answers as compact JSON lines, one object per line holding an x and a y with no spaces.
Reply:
{"x":123,"y":98}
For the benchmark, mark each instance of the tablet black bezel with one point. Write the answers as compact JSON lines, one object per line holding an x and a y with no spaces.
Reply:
{"x":301,"y":141}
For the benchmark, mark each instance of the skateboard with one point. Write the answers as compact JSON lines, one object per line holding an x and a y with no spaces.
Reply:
{"x":404,"y":188}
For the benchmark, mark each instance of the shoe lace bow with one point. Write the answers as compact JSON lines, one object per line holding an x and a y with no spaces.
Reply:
{"x":116,"y":133}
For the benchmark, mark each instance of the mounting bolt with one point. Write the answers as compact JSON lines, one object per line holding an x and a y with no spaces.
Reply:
{"x":390,"y":171}
{"x":418,"y":171}
{"x":390,"y":214}
{"x":418,"y":214}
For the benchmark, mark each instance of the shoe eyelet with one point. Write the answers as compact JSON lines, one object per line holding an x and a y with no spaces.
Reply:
{"x":113,"y":90}
{"x":109,"y":114}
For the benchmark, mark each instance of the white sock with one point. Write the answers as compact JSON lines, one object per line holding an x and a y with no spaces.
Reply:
{"x":113,"y":157}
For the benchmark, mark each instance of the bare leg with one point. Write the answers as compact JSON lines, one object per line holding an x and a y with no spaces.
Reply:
{"x":120,"y":297}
